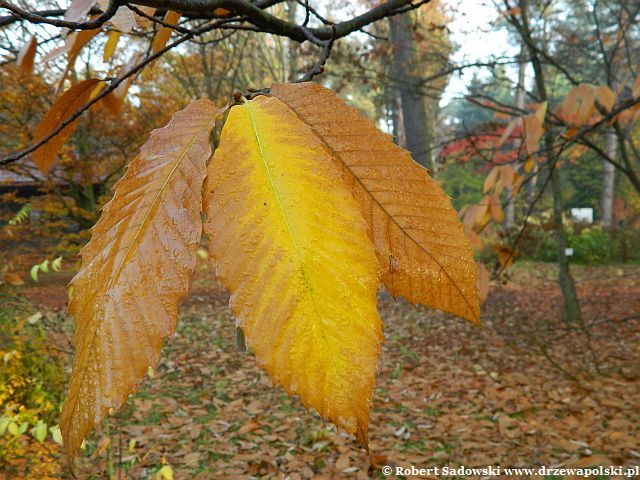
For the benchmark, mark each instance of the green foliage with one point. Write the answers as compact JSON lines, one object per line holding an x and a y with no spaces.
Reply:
{"x":31,"y":378}
{"x":21,"y":216}
{"x":463,"y":185}
{"x":591,"y":245}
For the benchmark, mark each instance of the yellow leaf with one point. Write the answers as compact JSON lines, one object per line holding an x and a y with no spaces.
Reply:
{"x":110,"y":45}
{"x":164,"y":33}
{"x":528,"y":164}
{"x":13,"y":429}
{"x":135,"y":270}
{"x":482,"y":209}
{"x":540,"y":113}
{"x":61,"y":110}
{"x":290,"y":244}
{"x":165,"y":473}
{"x":423,"y":253}
{"x":27,"y":55}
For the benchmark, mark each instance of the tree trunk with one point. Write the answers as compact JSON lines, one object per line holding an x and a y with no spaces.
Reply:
{"x":608,"y":182}
{"x":411,"y":118}
{"x":510,"y":209}
{"x":571,"y":308}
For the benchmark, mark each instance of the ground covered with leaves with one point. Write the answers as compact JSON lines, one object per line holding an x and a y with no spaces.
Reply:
{"x":525,"y":389}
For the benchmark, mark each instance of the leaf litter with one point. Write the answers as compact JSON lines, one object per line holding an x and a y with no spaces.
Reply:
{"x":448,"y":393}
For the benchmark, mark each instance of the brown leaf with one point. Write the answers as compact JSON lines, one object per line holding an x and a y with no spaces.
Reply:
{"x":490,"y":180}
{"x":532,"y":132}
{"x":635,"y":88}
{"x":61,"y":110}
{"x":423,"y":253}
{"x":13,"y":279}
{"x":27,"y":55}
{"x":78,"y":10}
{"x":250,"y":426}
{"x":483,"y":282}
{"x":578,"y":105}
{"x":606,"y":97}
{"x":79,"y":41}
{"x":506,"y":255}
{"x":135,"y":270}
{"x":496,"y":209}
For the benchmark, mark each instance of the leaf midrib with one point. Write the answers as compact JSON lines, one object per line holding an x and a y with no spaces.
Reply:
{"x":348,"y":167}
{"x":129,"y":250}
{"x":308,"y":289}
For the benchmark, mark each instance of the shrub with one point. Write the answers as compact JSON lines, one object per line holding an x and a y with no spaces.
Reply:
{"x":31,"y":380}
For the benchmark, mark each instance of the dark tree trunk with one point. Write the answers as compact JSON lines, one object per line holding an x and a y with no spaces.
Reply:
{"x":410,"y":121}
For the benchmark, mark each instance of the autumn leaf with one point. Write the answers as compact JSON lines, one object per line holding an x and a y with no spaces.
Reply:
{"x":27,"y":55}
{"x":528,"y":164}
{"x":290,"y":244}
{"x":533,"y":128}
{"x":495,"y":208}
{"x":578,"y":105}
{"x":110,"y":45}
{"x":164,"y":33}
{"x":483,"y":282}
{"x":13,"y":279}
{"x":635,"y":88}
{"x":532,"y":132}
{"x":606,"y":97}
{"x":490,"y":180}
{"x":135,"y":270}
{"x":78,"y":10}
{"x":80,"y":41}
{"x":423,"y":253}
{"x":506,"y":255}
{"x":109,"y":102}
{"x":507,"y":176}
{"x":70,"y":101}
{"x":124,"y":20}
